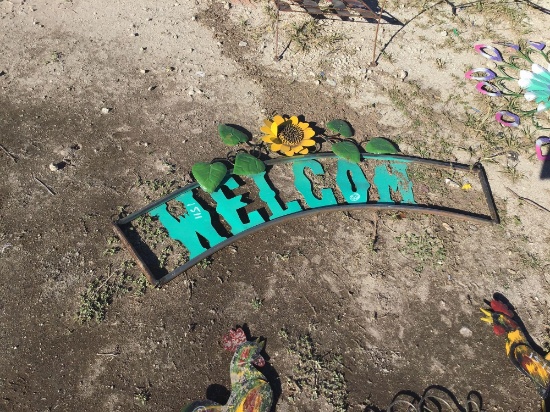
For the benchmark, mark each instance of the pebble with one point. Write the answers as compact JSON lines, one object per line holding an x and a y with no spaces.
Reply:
{"x":331,"y":82}
{"x":144,"y":71}
{"x":200,"y":74}
{"x":317,"y":82}
{"x":106,"y":110}
{"x":467,"y":333}
{"x":54,"y":167}
{"x":227,"y":5}
{"x":447,"y":227}
{"x":134,"y":34}
{"x":143,"y":48}
{"x":451,"y":183}
{"x":151,"y":88}
{"x":444,"y":33}
{"x":403,"y":74}
{"x":243,"y":44}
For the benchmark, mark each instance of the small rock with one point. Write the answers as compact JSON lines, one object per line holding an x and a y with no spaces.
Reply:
{"x":194,"y":18}
{"x":143,"y":49}
{"x":200,"y":74}
{"x":317,"y":82}
{"x":403,"y":74}
{"x":53,"y":167}
{"x":331,"y":82}
{"x":444,"y":33}
{"x":447,"y":227}
{"x":467,"y":333}
{"x":144,"y":71}
{"x":151,"y":88}
{"x":227,"y":5}
{"x":2,"y":73}
{"x":243,"y":44}
{"x":106,"y":110}
{"x":451,"y":183}
{"x":134,"y":34}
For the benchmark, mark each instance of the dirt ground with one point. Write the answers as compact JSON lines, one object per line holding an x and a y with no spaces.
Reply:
{"x":124,"y":97}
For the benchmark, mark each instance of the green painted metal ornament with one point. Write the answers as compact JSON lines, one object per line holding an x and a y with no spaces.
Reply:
{"x":250,"y":390}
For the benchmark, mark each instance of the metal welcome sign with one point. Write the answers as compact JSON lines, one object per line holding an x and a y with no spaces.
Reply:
{"x":200,"y":223}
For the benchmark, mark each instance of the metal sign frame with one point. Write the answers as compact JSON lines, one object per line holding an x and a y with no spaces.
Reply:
{"x":477,"y":168}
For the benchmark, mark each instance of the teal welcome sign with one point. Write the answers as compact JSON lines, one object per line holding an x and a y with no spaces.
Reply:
{"x":201,"y":223}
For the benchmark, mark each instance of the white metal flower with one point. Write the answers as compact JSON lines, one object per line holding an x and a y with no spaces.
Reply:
{"x":536,"y":84}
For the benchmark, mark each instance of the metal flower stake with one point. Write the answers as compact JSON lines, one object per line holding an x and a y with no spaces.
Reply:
{"x":287,"y":135}
{"x":521,"y":81}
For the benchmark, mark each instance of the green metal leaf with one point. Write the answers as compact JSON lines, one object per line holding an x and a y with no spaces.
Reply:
{"x":340,"y":126}
{"x":209,"y":175}
{"x":246,"y":165}
{"x":347,"y":150}
{"x":231,"y":136}
{"x":379,"y":145}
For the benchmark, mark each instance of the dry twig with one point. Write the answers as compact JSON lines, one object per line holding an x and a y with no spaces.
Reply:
{"x":50,"y":191}
{"x":531,"y":202}
{"x":8,"y":153}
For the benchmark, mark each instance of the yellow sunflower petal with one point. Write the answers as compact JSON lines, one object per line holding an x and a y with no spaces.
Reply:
{"x":289,"y":153}
{"x":275,"y":147}
{"x":269,"y":139}
{"x":303,"y":125}
{"x":274,"y":128}
{"x":278,"y":119}
{"x":307,"y":142}
{"x":304,"y":151}
{"x":308,"y":133}
{"x":266,"y":129}
{"x":267,"y":122}
{"x":285,"y":148}
{"x":294,"y":120}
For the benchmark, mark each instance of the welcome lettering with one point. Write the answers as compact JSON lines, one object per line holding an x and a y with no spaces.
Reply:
{"x":389,"y":177}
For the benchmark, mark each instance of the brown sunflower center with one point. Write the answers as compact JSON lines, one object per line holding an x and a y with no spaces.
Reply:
{"x":290,"y":134}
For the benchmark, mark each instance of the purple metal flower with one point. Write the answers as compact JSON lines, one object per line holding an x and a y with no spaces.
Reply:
{"x":508,"y":44}
{"x":494,"y":54}
{"x":543,"y":140}
{"x":488,"y":74}
{"x":488,"y":89}
{"x":539,"y":45}
{"x":508,"y":119}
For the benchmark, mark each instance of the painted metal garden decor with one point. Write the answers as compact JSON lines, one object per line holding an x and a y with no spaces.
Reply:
{"x":520,"y":84}
{"x":224,"y":205}
{"x":250,"y":390}
{"x":519,"y":349}
{"x":348,"y":10}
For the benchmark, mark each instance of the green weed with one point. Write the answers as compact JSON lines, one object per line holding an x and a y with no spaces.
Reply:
{"x":257,"y":303}
{"x":424,"y":247}
{"x":317,"y":375}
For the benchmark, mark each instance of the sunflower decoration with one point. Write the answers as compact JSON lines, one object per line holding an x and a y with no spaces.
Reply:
{"x":288,"y":135}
